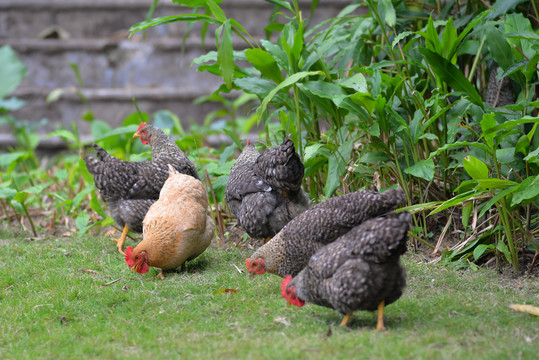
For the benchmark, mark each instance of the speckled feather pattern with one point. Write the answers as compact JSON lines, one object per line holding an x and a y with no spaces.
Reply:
{"x":178,"y":227}
{"x":288,"y":252}
{"x":128,"y":186}
{"x":359,"y":269}
{"x":264,"y":191}
{"x":281,"y":166}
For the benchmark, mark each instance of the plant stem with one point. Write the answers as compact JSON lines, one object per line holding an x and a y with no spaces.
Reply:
{"x":29,"y":218}
{"x":509,"y":234}
{"x":477,"y":57}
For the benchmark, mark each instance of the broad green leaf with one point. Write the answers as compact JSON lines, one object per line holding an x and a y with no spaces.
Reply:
{"x":506,"y":155}
{"x":82,"y":223}
{"x":326,"y":90}
{"x":216,"y":10}
{"x":277,"y":53}
{"x":20,"y":196}
{"x":8,"y":158}
{"x":502,"y":7}
{"x":528,"y":189}
{"x":312,"y":151}
{"x":432,"y":42}
{"x":265,"y":63}
{"x":333,"y":180}
{"x":517,"y":23}
{"x":527,"y":35}
{"x":166,"y":119}
{"x":11,"y":104}
{"x":457,"y":200}
{"x":499,"y":48}
{"x":129,"y":130}
{"x":464,"y":33}
{"x":502,"y":53}
{"x":429,"y":136}
{"x":475,"y":168}
{"x":7,"y":192}
{"x":459,"y":144}
{"x":12,"y":70}
{"x":170,"y":19}
{"x":79,"y":197}
{"x":487,"y":123}
{"x":356,"y":83}
{"x":466,"y":211}
{"x":37,"y":188}
{"x":365,"y":100}
{"x":496,"y":198}
{"x":299,"y":42}
{"x":451,"y":75}
{"x":507,"y":125}
{"x":63,"y":134}
{"x":255,"y":85}
{"x":225,"y":56}
{"x":286,"y":83}
{"x":480,"y":250}
{"x":523,"y":145}
{"x":386,"y":9}
{"x":337,"y":168}
{"x":449,"y":38}
{"x":423,"y":169}
{"x":400,"y":36}
{"x":502,"y":247}
{"x":312,"y":165}
{"x":519,"y":65}
{"x":282,"y":3}
{"x":95,"y":205}
{"x":494,"y":183}
{"x":373,"y":157}
{"x":533,"y":156}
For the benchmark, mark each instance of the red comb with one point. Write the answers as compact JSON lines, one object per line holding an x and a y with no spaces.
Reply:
{"x":129,"y":256}
{"x":142,"y":124}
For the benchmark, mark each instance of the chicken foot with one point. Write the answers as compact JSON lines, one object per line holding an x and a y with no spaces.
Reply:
{"x":345,"y":319}
{"x":380,"y":323}
{"x":121,"y":240}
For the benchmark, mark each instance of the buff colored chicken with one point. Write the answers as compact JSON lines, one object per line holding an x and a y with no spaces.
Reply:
{"x":177,"y":228}
{"x":131,"y":187}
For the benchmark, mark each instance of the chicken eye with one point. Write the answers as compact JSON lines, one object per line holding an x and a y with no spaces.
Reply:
{"x":289,"y":291}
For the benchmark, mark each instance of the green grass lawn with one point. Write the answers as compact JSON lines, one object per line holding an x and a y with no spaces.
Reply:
{"x":52,"y":307}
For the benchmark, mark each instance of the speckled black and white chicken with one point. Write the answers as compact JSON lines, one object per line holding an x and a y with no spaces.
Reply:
{"x":360,"y":270}
{"x":131,"y":187}
{"x":288,"y":252}
{"x":264,"y":191}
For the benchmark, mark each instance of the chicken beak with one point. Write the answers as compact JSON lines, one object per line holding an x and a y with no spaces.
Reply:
{"x":136,"y":135}
{"x":289,"y":302}
{"x":134,"y":268}
{"x":251,"y":275}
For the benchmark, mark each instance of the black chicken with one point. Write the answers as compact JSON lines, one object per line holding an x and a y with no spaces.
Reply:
{"x":129,"y":187}
{"x":264,"y":191}
{"x":359,"y":271}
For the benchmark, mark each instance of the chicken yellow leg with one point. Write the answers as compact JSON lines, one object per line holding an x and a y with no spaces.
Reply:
{"x":121,"y":240}
{"x":345,"y":319}
{"x":380,"y":323}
